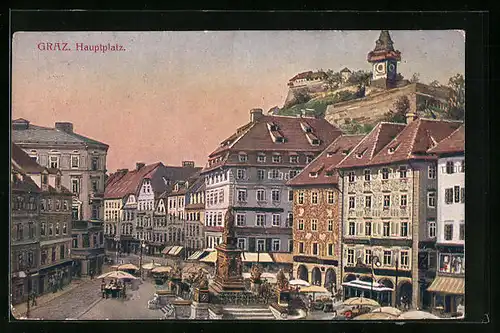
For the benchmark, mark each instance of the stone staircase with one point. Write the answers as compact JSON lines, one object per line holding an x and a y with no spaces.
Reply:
{"x":247,"y":313}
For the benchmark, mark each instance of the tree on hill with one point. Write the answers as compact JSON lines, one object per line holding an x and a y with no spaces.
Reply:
{"x":333,"y":79}
{"x":456,"y":102}
{"x":360,"y":77}
{"x":397,"y":114}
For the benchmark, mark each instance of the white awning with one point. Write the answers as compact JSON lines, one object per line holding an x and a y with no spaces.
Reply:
{"x":210,"y":258}
{"x":366,"y":285}
{"x":256,"y":257}
{"x":166,"y":249}
{"x":175,"y":250}
{"x":196,"y":255}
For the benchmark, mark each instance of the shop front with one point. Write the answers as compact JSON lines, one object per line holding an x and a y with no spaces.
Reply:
{"x":376,"y":291}
{"x":448,"y":293}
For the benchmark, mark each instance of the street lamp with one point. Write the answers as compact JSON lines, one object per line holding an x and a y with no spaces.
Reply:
{"x":143,"y":247}
{"x":375,"y":262}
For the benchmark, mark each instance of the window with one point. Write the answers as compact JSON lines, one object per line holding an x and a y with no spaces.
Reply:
{"x":352,"y":228}
{"x":276,"y":159}
{"x":330,"y":197}
{"x":300,"y":198}
{"x":260,"y":220}
{"x":261,"y":158}
{"x":19,"y":231}
{"x":75,"y":161}
{"x":404,"y":259}
{"x":292,"y":173}
{"x":387,"y":201}
{"x":352,"y":202}
{"x":314,"y":224}
{"x":309,"y":159}
{"x":314,"y":197}
{"x":276,"y":220}
{"x":300,"y":224}
{"x":261,"y":245}
{"x":240,"y":219}
{"x":42,"y":204}
{"x":456,"y":191}
{"x":240,"y":174}
{"x":387,"y":258}
{"x":386,"y":229}
{"x":75,"y":185}
{"x":431,"y":171}
{"x":95,"y":185}
{"x":43,"y":257}
{"x":289,"y":220}
{"x":448,"y":232}
{"x":51,"y":230}
{"x":462,"y":195}
{"x":65,"y":205}
{"x":275,"y":245}
{"x":95,"y":163}
{"x":350,"y":256}
{"x":275,"y":195}
{"x":461,"y":235}
{"x":301,"y":247}
{"x":315,"y":249}
{"x":219,"y":219}
{"x":54,"y":162}
{"x":294,"y":159}
{"x":367,"y":175}
{"x":448,"y":195}
{"x":330,"y":225}
{"x":462,"y":166}
{"x":368,"y":201}
{"x":241,"y":243}
{"x":290,"y":245}
{"x":221,"y":196}
{"x":61,"y":251}
{"x":42,"y":229}
{"x":54,"y":254}
{"x":431,"y":199}
{"x":261,"y":195}
{"x":57,"y":229}
{"x":330,"y":250}
{"x":368,"y":228}
{"x":450,"y":168}
{"x":58,"y":204}
{"x":243,"y":157}
{"x":404,"y":200}
{"x":351,"y":177}
{"x":404,"y":229}
{"x":368,"y":257}
{"x":31,"y":230}
{"x":385,"y":173}
{"x":95,"y":211}
{"x":261,"y":174}
{"x":290,"y":195}
{"x":402,"y":171}
{"x":242,"y":195}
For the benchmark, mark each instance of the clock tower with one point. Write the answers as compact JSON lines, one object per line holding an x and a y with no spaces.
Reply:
{"x":384,"y":60}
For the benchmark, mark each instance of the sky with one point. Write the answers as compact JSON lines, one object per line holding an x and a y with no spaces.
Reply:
{"x":174,"y":96}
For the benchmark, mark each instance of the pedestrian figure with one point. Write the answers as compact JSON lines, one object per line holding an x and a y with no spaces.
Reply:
{"x":91,"y":273}
{"x":33,"y":299}
{"x":60,"y":284}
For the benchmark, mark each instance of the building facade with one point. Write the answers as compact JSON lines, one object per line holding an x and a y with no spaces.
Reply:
{"x":448,"y":288}
{"x":195,"y":216}
{"x":24,"y":234}
{"x":81,"y":160}
{"x":317,"y":216}
{"x":87,"y":247}
{"x":389,"y":186}
{"x":248,"y":172}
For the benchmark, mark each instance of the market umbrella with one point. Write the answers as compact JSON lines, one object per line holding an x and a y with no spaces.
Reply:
{"x":162,"y":269}
{"x":299,"y":282}
{"x":129,"y":266}
{"x":150,"y":266}
{"x":361,"y":301}
{"x":417,"y":315}
{"x":313,"y":289}
{"x":387,"y":309}
{"x":116,"y":275}
{"x":375,"y":316}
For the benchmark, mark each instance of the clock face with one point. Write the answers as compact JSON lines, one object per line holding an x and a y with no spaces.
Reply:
{"x":380,"y":68}
{"x":391,"y":67}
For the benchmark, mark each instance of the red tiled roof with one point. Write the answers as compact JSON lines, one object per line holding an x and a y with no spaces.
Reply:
{"x":414,"y":140}
{"x":329,"y":158}
{"x":24,"y":161}
{"x":453,"y":143}
{"x":129,"y":182}
{"x":371,"y":144}
{"x":257,"y":137}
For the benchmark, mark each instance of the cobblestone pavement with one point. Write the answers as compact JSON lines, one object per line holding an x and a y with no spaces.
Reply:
{"x":134,"y":307}
{"x":70,"y":304}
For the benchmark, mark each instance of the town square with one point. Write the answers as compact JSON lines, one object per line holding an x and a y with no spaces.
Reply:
{"x":176,"y":188}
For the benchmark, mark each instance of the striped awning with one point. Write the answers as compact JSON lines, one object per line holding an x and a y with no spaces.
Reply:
{"x":282,"y":258}
{"x":196,"y":255}
{"x":166,"y":249}
{"x":211,"y":257}
{"x":175,"y":250}
{"x":448,"y":285}
{"x":256,"y":257}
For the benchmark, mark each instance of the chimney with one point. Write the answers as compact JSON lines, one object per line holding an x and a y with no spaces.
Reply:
{"x":255,"y":114}
{"x":64,"y":127}
{"x":188,"y":164}
{"x":410,"y":116}
{"x":123,"y":171}
{"x":20,"y":124}
{"x":139,"y":165}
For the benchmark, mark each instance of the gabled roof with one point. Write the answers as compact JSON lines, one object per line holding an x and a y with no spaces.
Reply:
{"x":326,"y":162}
{"x":129,"y":183}
{"x":21,"y":181}
{"x":257,"y":136}
{"x":38,"y":134}
{"x":453,"y":143}
{"x":371,"y":144}
{"x":28,"y":164}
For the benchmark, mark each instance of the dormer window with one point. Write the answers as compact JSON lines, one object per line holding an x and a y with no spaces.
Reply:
{"x":345,"y":152}
{"x":315,"y":142}
{"x":306,"y":128}
{"x":243,"y":157}
{"x":261,"y":158}
{"x":273,"y":127}
{"x":360,"y":154}
{"x":280,"y":139}
{"x":309,"y":158}
{"x":276,"y":159}
{"x":294,"y":159}
{"x":313,"y":174}
{"x":329,"y":173}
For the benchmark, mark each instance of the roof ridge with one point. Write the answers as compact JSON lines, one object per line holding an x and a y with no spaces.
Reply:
{"x":412,"y":143}
{"x":447,"y":137}
{"x":375,"y":141}
{"x":245,"y":132}
{"x":357,"y":145}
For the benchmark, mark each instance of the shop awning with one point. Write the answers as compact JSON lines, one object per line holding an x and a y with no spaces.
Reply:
{"x":253,"y":256}
{"x":166,"y":249}
{"x":196,"y":255}
{"x":175,"y":250}
{"x":365,"y":285}
{"x":282,"y":258}
{"x":448,"y":285}
{"x":211,"y":257}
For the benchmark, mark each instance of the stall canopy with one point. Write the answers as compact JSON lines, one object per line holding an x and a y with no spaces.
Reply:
{"x":282,"y":258}
{"x":366,"y":285}
{"x":448,"y":285}
{"x":172,"y":250}
{"x":210,"y":258}
{"x":197,"y":255}
{"x":256,"y":257}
